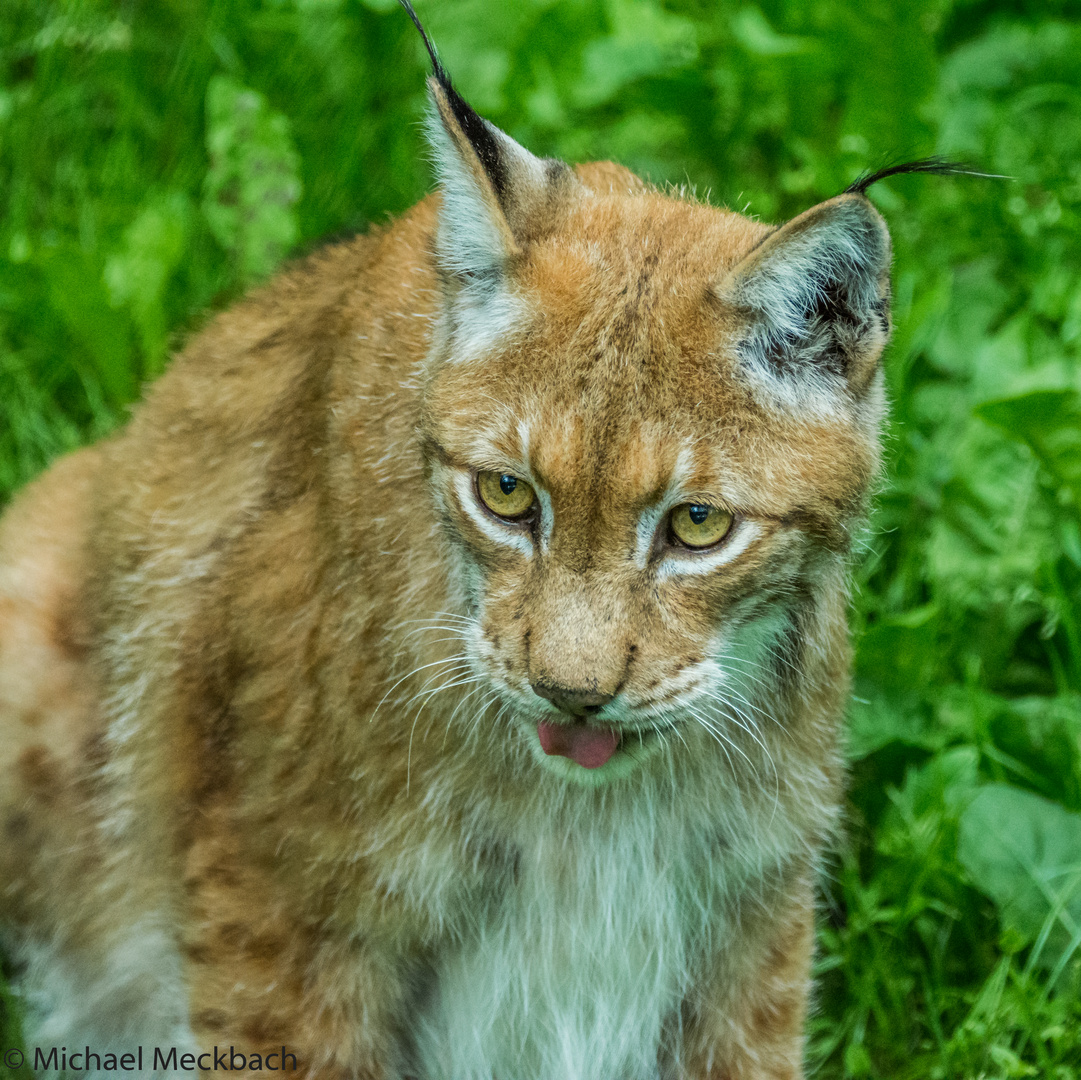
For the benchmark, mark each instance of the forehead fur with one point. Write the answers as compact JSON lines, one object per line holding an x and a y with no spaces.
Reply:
{"x":622,"y":367}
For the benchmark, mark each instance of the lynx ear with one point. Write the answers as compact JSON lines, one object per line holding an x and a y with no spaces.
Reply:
{"x":496,"y":194}
{"x":816,"y":297}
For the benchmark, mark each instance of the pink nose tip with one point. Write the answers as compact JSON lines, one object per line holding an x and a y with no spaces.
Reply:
{"x":568,"y":700}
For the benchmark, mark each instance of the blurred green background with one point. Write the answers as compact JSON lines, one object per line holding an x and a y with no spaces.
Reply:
{"x":156,"y":159}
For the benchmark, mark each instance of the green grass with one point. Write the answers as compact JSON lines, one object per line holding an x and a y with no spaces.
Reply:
{"x":156,"y":159}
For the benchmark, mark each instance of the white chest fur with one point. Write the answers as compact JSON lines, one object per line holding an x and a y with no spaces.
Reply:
{"x":579,"y":971}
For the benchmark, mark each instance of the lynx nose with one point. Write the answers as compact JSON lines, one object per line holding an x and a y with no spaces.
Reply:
{"x":575,"y":702}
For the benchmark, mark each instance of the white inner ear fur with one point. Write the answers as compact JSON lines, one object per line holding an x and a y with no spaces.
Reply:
{"x":801,"y":356}
{"x":474,"y":239}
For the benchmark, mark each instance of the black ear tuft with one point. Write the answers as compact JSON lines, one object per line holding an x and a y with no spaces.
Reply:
{"x":495,"y":196}
{"x":480,"y":137}
{"x":437,"y":68}
{"x":473,"y":126}
{"x":938,"y":165}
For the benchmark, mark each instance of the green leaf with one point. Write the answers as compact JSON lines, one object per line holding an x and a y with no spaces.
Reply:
{"x":901,"y":653}
{"x":78,"y":295}
{"x":645,"y":40}
{"x":1042,"y":737}
{"x":253,"y":182}
{"x":881,"y":718}
{"x":1049,"y":422}
{"x":753,"y":31}
{"x":11,"y":1067}
{"x":1024,"y":852}
{"x":137,"y":275}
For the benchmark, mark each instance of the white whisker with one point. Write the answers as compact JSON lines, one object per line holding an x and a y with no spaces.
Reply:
{"x":410,"y":674}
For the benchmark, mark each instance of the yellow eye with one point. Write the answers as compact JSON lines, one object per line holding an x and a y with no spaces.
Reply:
{"x":505,"y":495}
{"x":699,"y":526}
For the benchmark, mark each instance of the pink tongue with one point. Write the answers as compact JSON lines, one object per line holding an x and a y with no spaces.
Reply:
{"x":589,"y":747}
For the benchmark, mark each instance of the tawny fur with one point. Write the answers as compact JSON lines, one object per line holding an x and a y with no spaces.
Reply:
{"x":270,"y":770}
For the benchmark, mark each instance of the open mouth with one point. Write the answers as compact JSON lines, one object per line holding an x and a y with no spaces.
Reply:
{"x":589,"y":747}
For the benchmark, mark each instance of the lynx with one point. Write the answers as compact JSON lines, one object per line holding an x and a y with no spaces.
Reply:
{"x":440,"y":675}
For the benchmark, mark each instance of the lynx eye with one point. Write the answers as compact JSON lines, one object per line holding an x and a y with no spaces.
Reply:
{"x":505,"y":495}
{"x":698,"y":526}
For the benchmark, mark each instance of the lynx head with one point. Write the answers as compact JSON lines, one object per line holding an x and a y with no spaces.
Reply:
{"x":650,"y":427}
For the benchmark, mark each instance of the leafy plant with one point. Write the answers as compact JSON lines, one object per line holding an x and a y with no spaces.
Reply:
{"x":1024,"y":852}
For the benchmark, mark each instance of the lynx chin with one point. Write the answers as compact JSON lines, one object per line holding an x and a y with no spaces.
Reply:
{"x":440,"y":675}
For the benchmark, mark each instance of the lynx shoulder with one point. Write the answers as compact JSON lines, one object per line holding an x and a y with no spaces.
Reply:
{"x":440,"y":675}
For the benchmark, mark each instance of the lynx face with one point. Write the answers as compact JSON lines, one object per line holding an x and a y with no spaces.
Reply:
{"x":649,"y":425}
